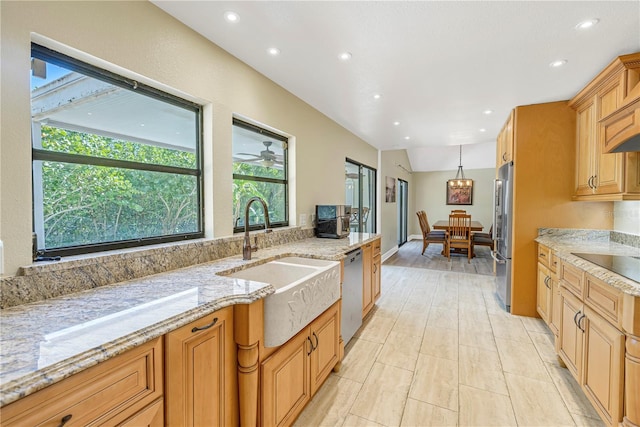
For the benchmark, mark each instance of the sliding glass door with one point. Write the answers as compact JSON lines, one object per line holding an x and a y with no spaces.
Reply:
{"x":403,"y":199}
{"x":360,"y":187}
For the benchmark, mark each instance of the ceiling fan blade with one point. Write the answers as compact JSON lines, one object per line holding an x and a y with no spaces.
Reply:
{"x":249,"y":154}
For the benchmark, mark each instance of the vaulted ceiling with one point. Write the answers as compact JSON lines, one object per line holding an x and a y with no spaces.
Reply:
{"x":437,"y":67}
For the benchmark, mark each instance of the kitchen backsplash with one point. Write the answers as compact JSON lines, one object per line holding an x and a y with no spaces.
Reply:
{"x":41,"y":281}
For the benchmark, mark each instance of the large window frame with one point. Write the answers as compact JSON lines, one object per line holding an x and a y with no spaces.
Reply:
{"x":40,"y":155}
{"x":361,"y":194}
{"x":240,"y":227}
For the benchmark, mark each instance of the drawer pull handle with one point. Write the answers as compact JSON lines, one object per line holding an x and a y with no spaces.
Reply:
{"x":202,"y":328}
{"x":317,"y":340}
{"x":65,"y":420}
{"x":542,"y":254}
{"x":575,"y":317}
{"x":546,"y":282}
{"x":580,"y":323}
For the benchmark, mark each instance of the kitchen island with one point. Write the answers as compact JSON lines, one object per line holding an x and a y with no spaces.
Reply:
{"x":47,"y":341}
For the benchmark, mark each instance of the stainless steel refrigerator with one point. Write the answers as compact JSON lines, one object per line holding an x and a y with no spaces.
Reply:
{"x":502,"y":230}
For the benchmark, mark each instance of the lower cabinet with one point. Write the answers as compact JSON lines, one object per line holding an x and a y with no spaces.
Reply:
{"x":371,"y":263}
{"x":291,"y":375}
{"x":544,"y":293}
{"x":592,"y":347}
{"x":118,"y":391}
{"x":603,"y":366}
{"x":200,"y":372}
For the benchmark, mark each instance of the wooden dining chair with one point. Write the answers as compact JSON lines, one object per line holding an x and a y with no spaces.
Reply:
{"x":459,"y":235}
{"x":482,"y":239}
{"x":428,"y":235}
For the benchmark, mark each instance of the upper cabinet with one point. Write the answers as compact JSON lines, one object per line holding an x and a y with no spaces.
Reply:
{"x":505,"y":143}
{"x":601,"y":175}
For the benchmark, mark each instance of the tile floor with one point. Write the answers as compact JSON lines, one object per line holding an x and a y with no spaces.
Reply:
{"x":439,"y":351}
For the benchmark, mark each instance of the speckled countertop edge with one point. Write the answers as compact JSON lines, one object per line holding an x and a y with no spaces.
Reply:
{"x":22,"y":381}
{"x":564,"y":247}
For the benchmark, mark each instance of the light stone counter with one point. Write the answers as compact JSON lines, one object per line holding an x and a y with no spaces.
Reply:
{"x":46,"y":341}
{"x":580,"y":241}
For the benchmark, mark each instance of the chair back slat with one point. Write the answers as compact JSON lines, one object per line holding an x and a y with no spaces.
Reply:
{"x":460,"y":227}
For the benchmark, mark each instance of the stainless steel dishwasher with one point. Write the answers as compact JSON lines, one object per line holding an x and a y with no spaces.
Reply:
{"x":351,"y":295}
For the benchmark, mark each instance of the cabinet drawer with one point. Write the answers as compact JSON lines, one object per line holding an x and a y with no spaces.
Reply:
{"x":133,"y":379}
{"x":604,"y":299}
{"x":572,"y":278}
{"x":376,"y":247}
{"x":544,"y":255}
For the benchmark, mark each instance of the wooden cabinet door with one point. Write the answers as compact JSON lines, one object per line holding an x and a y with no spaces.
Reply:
{"x":609,"y":169}
{"x":556,"y":306}
{"x":543,"y":299}
{"x":367,"y":288}
{"x":200,"y":372}
{"x":585,"y":148}
{"x":151,"y":416}
{"x":376,"y":276}
{"x":286,"y":387}
{"x":603,"y":373}
{"x":325,"y":334}
{"x":570,"y":338}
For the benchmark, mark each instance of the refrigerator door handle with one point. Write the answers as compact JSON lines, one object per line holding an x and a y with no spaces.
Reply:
{"x":494,"y":256}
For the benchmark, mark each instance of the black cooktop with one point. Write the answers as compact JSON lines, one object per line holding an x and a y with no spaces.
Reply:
{"x":627,"y":266}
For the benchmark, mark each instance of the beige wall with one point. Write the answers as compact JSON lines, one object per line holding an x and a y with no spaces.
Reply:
{"x":140,"y":41}
{"x":430,"y":196}
{"x":388,"y":222}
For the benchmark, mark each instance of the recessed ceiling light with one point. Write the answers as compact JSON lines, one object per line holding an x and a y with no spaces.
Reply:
{"x":274,"y":51}
{"x":345,"y":56}
{"x":396,"y":123}
{"x":587,"y":24}
{"x":231,"y":16}
{"x":558,"y":63}
{"x":487,"y":112}
{"x":377,"y":96}
{"x":407,"y":137}
{"x":482,"y":130}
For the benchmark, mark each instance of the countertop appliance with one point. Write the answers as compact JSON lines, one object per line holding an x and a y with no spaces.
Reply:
{"x":624,"y":265}
{"x":502,"y":230}
{"x":332,"y":221}
{"x":351,"y":295}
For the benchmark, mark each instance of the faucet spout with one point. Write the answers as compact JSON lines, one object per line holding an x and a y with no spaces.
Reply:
{"x":246,"y":245}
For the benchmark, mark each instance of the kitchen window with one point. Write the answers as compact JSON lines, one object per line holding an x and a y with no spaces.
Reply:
{"x":116,"y":163}
{"x":259,"y":169}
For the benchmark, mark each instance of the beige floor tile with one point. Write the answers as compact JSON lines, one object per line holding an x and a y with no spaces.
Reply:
{"x":331,"y":405}
{"x":354,"y":421}
{"x":359,"y":358}
{"x":481,"y":369}
{"x":474,"y":338}
{"x":582,"y":421}
{"x":521,"y":358}
{"x":440,"y":342}
{"x":376,"y":329}
{"x":482,"y":408}
{"x":411,"y":323}
{"x":436,"y":382}
{"x":474,"y":325}
{"x":509,"y":327}
{"x":537,"y":403}
{"x":534,"y":324}
{"x":400,"y":350}
{"x":544,"y":344}
{"x":417,"y":413}
{"x":446,"y":296}
{"x":383,"y":395}
{"x":571,"y":393}
{"x":442,"y":317}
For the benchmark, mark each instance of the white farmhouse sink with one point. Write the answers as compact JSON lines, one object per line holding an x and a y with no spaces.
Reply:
{"x":304,"y":289}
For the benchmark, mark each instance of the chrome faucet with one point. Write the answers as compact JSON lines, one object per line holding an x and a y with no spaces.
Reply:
{"x":246,"y":246}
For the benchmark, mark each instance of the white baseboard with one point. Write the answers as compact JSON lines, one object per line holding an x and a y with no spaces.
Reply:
{"x":389,"y":253}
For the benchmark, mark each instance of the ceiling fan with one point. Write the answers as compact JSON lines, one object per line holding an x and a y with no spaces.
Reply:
{"x":266,"y":158}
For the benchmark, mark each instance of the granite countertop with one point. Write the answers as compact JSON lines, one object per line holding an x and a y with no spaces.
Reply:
{"x":44,"y":342}
{"x":565,"y":247}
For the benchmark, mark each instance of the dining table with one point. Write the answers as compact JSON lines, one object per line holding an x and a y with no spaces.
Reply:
{"x":444,"y":225}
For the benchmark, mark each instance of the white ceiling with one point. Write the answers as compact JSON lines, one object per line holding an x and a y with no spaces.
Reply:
{"x":438,"y":65}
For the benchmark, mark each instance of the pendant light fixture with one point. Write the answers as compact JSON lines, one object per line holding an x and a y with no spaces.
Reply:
{"x":460,"y":180}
